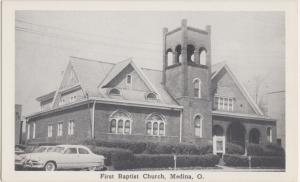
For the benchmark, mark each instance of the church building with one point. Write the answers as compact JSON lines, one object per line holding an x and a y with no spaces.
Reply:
{"x":189,"y":100}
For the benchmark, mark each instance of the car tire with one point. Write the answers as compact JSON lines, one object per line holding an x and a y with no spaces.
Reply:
{"x":50,"y":166}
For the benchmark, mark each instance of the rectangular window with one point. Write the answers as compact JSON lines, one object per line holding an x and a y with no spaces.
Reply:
{"x":129,"y":80}
{"x":50,"y":128}
{"x":223,"y":103}
{"x":59,"y":129}
{"x":33,"y":130}
{"x":28,"y":131}
{"x":216,"y":101}
{"x":71,"y":127}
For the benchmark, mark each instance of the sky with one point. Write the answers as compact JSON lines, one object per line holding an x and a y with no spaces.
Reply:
{"x":251,"y":43}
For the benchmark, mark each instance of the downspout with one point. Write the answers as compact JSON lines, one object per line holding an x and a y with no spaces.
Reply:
{"x":180,"y":127}
{"x":93,"y":120}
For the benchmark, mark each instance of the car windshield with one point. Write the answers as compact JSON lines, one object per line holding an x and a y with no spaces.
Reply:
{"x":40,"y":149}
{"x":59,"y":149}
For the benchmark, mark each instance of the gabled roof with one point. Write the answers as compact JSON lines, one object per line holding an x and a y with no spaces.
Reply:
{"x":94,"y":75}
{"x":120,"y":67}
{"x":45,"y":97}
{"x":216,"y":70}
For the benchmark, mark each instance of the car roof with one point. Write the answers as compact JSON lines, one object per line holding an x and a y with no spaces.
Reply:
{"x":71,"y":146}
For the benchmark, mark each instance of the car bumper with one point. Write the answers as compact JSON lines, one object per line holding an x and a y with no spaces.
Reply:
{"x":36,"y":165}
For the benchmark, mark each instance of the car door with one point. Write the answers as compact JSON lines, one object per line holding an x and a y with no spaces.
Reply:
{"x":85,"y":157}
{"x":69,"y":158}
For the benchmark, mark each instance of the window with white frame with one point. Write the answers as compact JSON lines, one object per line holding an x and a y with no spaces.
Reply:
{"x":197,"y":87}
{"x":73,"y":98}
{"x":155,"y":125}
{"x":120,"y":122}
{"x":224,"y":103}
{"x":71,"y":127}
{"x":28,"y":131}
{"x":33,"y":130}
{"x":59,"y":129}
{"x":269,"y":134}
{"x":198,"y":125}
{"x":50,"y":130}
{"x":129,"y":80}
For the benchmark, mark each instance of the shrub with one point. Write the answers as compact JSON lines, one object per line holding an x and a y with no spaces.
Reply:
{"x":255,"y":149}
{"x":167,"y":160}
{"x":112,"y":154}
{"x":273,"y":150}
{"x":265,"y":150}
{"x":154,"y":148}
{"x":235,"y":160}
{"x":267,"y":161}
{"x":232,"y":148}
{"x":122,"y":159}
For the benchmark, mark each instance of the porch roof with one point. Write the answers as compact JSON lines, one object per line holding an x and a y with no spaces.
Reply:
{"x":242,"y":116}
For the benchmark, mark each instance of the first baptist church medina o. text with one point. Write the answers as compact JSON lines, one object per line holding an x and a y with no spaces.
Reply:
{"x":189,"y":101}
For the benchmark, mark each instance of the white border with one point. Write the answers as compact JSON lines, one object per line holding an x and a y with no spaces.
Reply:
{"x":8,"y":90}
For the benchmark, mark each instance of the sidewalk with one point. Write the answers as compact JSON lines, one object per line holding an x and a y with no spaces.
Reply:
{"x":239,"y":169}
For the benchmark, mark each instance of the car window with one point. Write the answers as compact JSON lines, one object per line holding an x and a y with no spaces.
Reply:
{"x":71,"y":151}
{"x":83,"y":151}
{"x":59,"y":149}
{"x":40,"y":149}
{"x":50,"y":149}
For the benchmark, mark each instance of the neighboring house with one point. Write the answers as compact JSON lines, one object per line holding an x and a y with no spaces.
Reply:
{"x":18,"y":124}
{"x":276,"y":109}
{"x":190,"y":100}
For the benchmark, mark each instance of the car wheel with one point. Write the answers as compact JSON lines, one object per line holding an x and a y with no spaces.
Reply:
{"x":50,"y":166}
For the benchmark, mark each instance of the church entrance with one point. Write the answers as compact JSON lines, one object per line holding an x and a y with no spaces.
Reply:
{"x":236,"y":134}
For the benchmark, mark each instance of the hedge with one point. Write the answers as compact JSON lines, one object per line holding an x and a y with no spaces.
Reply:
{"x":265,"y":150}
{"x":154,"y":148}
{"x":113,"y":156}
{"x":267,"y":161}
{"x":232,"y":148}
{"x":167,"y":160}
{"x":256,"y":161}
{"x":235,"y":160}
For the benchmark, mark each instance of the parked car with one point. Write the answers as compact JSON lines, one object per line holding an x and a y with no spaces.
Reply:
{"x":20,"y":157}
{"x":66,"y":157}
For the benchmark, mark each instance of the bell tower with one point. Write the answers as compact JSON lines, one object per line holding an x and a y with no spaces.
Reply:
{"x":186,"y":76}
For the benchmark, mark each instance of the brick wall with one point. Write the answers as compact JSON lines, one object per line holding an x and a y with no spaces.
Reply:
{"x":102,"y":124}
{"x":82,"y":126}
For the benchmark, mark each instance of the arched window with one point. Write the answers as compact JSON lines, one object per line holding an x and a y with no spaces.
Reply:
{"x":190,"y":53}
{"x":114,"y":91}
{"x":218,"y":130}
{"x":169,"y":57}
{"x":127,"y":127}
{"x":269,"y":134}
{"x":161,"y":128}
{"x":120,"y":126}
{"x":151,"y":96}
{"x":178,"y":54}
{"x":149,"y":128}
{"x":155,"y":125}
{"x":254,"y":136}
{"x":120,"y":122}
{"x":198,"y":126}
{"x":202,"y":55}
{"x":113,"y":126}
{"x":197,"y":87}
{"x":155,"y":128}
